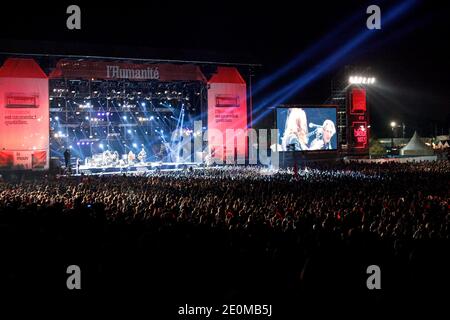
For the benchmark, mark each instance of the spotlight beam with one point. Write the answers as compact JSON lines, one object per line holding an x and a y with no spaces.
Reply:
{"x":324,"y":66}
{"x":323,"y":43}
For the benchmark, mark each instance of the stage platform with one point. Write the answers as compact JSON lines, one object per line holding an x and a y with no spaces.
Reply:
{"x":136,"y":168}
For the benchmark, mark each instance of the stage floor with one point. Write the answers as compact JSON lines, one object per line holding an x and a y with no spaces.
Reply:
{"x":139,"y":167}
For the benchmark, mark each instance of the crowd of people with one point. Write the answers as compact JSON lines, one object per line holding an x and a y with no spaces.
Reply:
{"x":232,"y":232}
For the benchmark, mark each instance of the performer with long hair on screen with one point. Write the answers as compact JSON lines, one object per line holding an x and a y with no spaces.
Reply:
{"x":296,"y":130}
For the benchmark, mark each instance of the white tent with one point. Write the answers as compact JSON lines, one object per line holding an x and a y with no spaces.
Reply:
{"x":416,"y":147}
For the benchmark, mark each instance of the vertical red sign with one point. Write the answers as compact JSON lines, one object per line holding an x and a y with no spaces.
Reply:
{"x":24,"y":115}
{"x":358,"y":120}
{"x":358,"y":104}
{"x":227,"y":110}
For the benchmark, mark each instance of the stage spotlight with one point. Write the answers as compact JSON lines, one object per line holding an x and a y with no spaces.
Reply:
{"x":78,"y":143}
{"x":361,"y":80}
{"x":86,"y":118}
{"x":129,"y":131}
{"x":56,"y":118}
{"x":101,"y":145}
{"x":152,"y":118}
{"x":124,"y":117}
{"x":70,"y":147}
{"x":134,"y":145}
{"x":143,"y":104}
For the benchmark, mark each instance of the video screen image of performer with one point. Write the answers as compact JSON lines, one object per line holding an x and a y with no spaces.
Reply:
{"x":324,"y":134}
{"x":296,"y":131}
{"x":307,"y":129}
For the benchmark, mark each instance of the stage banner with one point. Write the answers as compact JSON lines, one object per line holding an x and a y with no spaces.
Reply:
{"x":359,"y":101}
{"x":227,"y":114}
{"x":70,"y":69}
{"x":358,"y":119}
{"x":24,"y":116}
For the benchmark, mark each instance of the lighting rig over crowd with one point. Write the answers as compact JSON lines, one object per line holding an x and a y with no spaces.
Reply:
{"x":91,"y":117}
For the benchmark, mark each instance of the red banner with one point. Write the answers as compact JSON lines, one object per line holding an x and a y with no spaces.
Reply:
{"x":358,"y":100}
{"x":71,"y":69}
{"x":24,"y":115}
{"x":358,"y":119}
{"x":227,"y":110}
{"x":359,"y":132}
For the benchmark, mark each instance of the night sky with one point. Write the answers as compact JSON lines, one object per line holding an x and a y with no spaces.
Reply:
{"x":409,"y":56}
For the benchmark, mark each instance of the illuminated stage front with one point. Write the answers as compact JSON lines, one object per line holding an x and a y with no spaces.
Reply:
{"x":136,"y":168}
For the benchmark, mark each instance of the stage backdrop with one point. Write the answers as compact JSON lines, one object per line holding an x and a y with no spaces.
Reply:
{"x":227,"y":109}
{"x":114,"y":70}
{"x":24,"y":115}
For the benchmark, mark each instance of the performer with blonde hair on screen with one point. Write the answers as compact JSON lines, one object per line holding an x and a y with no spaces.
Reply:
{"x":323,"y":136}
{"x":296,"y":130}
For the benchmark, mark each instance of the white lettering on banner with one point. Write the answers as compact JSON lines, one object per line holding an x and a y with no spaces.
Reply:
{"x":115,"y":72}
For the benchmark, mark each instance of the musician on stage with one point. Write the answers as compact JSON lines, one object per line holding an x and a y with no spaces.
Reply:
{"x":131,"y":157}
{"x":67,"y":160}
{"x":107,"y":158}
{"x":142,"y":156}
{"x":78,"y":165}
{"x":115,"y":157}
